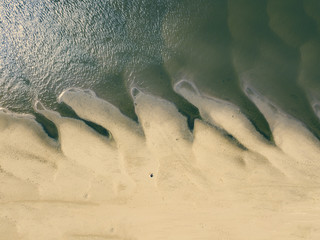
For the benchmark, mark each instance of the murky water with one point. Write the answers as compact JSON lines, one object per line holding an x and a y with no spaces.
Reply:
{"x":247,"y":168}
{"x":110,"y":46}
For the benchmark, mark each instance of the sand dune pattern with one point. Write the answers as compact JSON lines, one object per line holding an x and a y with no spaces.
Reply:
{"x":156,"y":178}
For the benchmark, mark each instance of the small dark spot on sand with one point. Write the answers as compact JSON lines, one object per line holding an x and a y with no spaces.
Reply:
{"x":151,"y":174}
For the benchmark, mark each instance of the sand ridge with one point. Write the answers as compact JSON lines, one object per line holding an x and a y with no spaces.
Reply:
{"x":157,"y":179}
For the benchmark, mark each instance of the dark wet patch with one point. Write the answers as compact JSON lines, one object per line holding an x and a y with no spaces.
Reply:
{"x":67,"y":111}
{"x":101,"y":130}
{"x":48,"y":126}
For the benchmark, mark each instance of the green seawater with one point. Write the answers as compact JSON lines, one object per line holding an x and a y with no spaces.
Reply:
{"x":110,"y":46}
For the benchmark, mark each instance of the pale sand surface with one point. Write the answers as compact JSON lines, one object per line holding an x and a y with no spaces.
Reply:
{"x":205,"y":185}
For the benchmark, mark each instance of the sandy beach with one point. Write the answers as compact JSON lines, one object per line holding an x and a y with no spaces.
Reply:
{"x":158,"y":179}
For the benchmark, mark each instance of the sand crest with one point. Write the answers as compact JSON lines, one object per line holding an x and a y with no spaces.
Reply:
{"x":157,"y":179}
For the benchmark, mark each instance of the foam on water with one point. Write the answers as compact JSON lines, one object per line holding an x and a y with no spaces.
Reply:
{"x":316,"y":108}
{"x":156,"y":178}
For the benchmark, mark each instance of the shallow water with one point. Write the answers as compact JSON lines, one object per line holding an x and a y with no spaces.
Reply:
{"x":218,"y":101}
{"x":110,"y":46}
